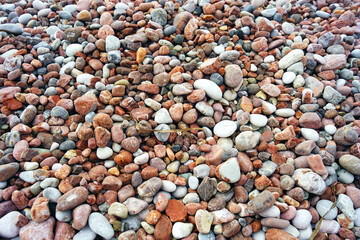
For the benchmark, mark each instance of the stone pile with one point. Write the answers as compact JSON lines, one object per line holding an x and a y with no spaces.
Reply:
{"x":194,"y":119}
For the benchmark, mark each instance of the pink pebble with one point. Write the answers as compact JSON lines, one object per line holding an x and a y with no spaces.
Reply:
{"x":289,"y":214}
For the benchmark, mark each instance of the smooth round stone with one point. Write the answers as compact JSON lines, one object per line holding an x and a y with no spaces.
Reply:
{"x":162,"y":137}
{"x":182,"y":230}
{"x":118,"y":209}
{"x":305,"y":234}
{"x":3,"y":185}
{"x":219,"y":49}
{"x":173,"y":167}
{"x":15,"y":29}
{"x":64,"y":216}
{"x":272,"y":211}
{"x":72,"y":49}
{"x":24,"y":18}
{"x":355,"y":53}
{"x":27,"y":176}
{"x":201,"y":171}
{"x":258,"y":120}
{"x":163,"y":116}
{"x":210,"y":88}
{"x":159,"y":15}
{"x":67,"y":145}
{"x":180,"y":192}
{"x":168,"y":186}
{"x":112,"y":43}
{"x":208,"y":236}
{"x":225,"y":143}
{"x":287,"y":28}
{"x":312,"y":183}
{"x":260,"y":235}
{"x":323,"y":206}
{"x":322,"y":14}
{"x":225,"y":128}
{"x":59,"y":112}
{"x":85,"y":234}
{"x":350,"y":163}
{"x":104,"y":153}
{"x":169,"y":30}
{"x":330,"y":129}
{"x":285,"y":112}
{"x":10,"y":224}
{"x":345,"y":176}
{"x":38,"y":5}
{"x":193,"y":182}
{"x":100,"y":225}
{"x":52,"y":194}
{"x":292,"y":230}
{"x":310,"y":134}
{"x":269,"y":59}
{"x":31,"y":166}
{"x":288,"y":77}
{"x":357,"y":220}
{"x":65,"y":15}
{"x":142,"y":159}
{"x":247,"y":140}
{"x":191,"y":198}
{"x":302,"y":219}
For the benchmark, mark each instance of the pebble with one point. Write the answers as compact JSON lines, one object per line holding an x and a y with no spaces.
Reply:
{"x":225,"y":128}
{"x":302,"y":219}
{"x":345,"y":204}
{"x":258,"y":120}
{"x":210,"y":88}
{"x":229,"y":171}
{"x":100,"y":225}
{"x":261,"y":202}
{"x":311,"y":182}
{"x":323,"y":206}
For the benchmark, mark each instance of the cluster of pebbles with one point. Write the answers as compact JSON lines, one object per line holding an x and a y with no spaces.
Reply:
{"x":197,"y":119}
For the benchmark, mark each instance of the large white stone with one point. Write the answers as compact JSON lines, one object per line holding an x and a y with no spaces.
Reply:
{"x":99,"y":224}
{"x":310,"y":134}
{"x":104,"y":153}
{"x":225,"y":128}
{"x":211,"y":88}
{"x":302,"y":219}
{"x":258,"y":120}
{"x":72,"y":49}
{"x":163,"y":116}
{"x":230,"y":170}
{"x":181,"y":230}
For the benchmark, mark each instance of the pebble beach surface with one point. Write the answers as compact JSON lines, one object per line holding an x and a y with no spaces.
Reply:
{"x":194,"y":119}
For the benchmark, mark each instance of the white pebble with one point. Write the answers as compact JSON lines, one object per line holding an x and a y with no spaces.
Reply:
{"x":288,"y":77}
{"x":168,"y":186}
{"x":330,"y":129}
{"x":310,"y":134}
